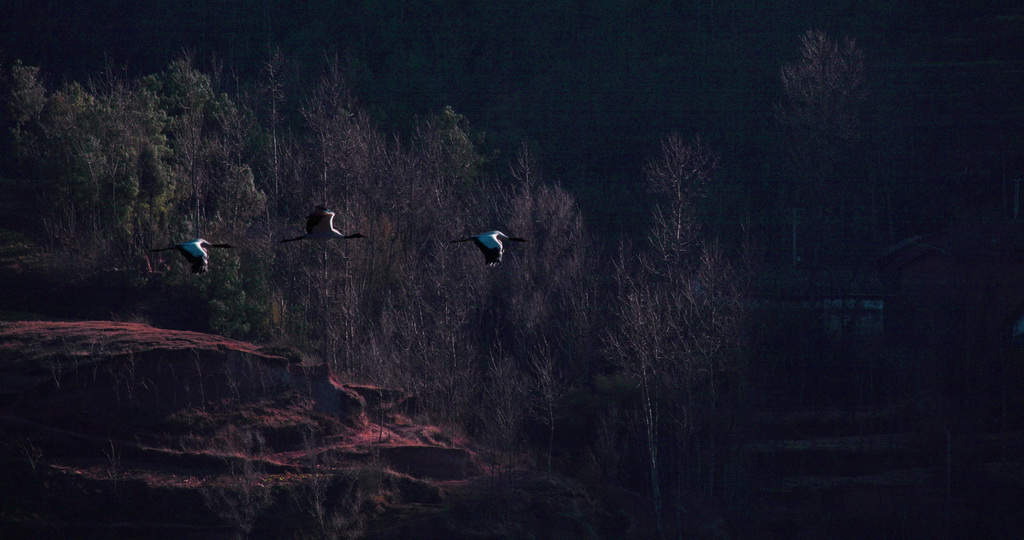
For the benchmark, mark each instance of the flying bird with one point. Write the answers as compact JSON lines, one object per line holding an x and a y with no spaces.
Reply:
{"x":320,"y":226}
{"x":490,"y":244}
{"x":195,"y":253}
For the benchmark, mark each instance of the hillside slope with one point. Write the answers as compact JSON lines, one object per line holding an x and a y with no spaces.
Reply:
{"x":124,"y":429}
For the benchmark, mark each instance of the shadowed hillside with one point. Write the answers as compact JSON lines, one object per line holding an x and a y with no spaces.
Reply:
{"x":114,"y":427}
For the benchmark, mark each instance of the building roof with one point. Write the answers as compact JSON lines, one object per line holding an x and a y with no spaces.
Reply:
{"x":1003,"y":241}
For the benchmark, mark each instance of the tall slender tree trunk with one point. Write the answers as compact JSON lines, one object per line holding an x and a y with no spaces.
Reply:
{"x":650,"y":412}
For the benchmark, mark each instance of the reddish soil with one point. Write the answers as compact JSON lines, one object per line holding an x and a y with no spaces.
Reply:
{"x":44,"y":338}
{"x":108,"y":407}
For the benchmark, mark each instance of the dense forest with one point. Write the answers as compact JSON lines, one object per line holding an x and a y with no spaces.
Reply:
{"x":596,"y":86}
{"x":666,"y":161}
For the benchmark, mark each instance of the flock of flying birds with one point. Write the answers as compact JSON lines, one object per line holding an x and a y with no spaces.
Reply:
{"x":320,"y":226}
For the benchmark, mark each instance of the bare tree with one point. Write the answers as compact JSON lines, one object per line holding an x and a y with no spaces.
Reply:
{"x":638,"y":350}
{"x":32,"y":452}
{"x":820,"y":110}
{"x":679,"y":177}
{"x":115,"y":470}
{"x":549,"y":298}
{"x":242,"y":497}
{"x":334,"y":496}
{"x":822,"y":92}
{"x":678,"y":317}
{"x":549,"y":388}
{"x":272,"y":90}
{"x":503,"y":411}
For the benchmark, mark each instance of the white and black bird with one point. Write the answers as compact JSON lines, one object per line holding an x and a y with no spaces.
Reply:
{"x":490,"y":244}
{"x":320,"y":226}
{"x":195,"y":252}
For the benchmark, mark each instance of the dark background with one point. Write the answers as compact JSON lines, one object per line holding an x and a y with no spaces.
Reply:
{"x":594,"y":88}
{"x":596,"y":85}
